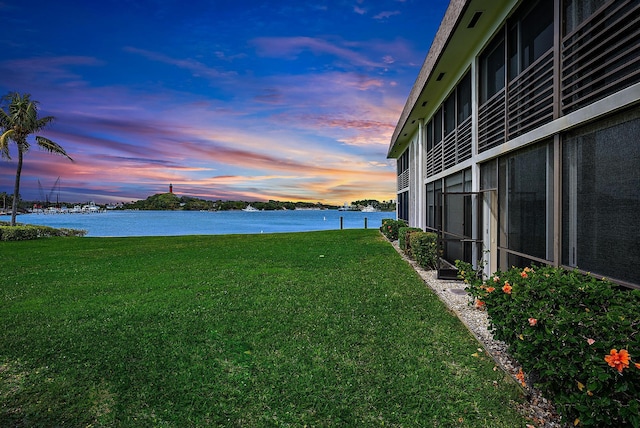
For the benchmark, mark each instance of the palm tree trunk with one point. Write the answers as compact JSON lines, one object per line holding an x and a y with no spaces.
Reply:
{"x":16,"y":189}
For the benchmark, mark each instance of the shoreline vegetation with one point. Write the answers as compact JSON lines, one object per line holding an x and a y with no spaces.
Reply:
{"x":173,"y":202}
{"x":309,"y":328}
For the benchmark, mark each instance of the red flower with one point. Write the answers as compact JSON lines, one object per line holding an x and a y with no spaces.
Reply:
{"x":533,"y":322}
{"x":618,"y":360}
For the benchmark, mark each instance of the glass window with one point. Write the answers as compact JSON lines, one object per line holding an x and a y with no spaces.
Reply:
{"x":530,"y":35}
{"x":492,"y":68}
{"x":434,"y":192}
{"x":450,"y":114}
{"x":601,"y":199}
{"x":464,"y":98}
{"x":525,"y":198}
{"x":437,"y":127}
{"x":429,"y":131}
{"x":403,"y":206}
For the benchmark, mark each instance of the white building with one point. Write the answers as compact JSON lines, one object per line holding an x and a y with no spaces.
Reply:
{"x":520,"y":140}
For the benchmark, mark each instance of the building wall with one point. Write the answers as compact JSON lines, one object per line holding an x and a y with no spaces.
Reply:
{"x":540,"y":127}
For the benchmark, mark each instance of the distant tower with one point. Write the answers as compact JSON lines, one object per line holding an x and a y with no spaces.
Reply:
{"x":170,"y":188}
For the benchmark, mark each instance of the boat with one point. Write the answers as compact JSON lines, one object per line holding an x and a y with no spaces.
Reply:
{"x":369,"y":209}
{"x":250,"y":209}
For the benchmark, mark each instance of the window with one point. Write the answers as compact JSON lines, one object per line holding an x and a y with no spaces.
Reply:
{"x":525,"y":198}
{"x":434,"y":194}
{"x":437,"y":127}
{"x":530,"y":36}
{"x":403,"y":206}
{"x":464,"y":98}
{"x":601,"y":198}
{"x":492,"y":68}
{"x":403,"y":162}
{"x":429,"y":136}
{"x":450,"y":114}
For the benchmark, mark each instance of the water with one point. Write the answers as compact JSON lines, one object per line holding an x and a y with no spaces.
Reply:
{"x":165,"y":223}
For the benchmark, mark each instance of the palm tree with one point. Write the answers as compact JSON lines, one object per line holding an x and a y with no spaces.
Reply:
{"x":18,"y":122}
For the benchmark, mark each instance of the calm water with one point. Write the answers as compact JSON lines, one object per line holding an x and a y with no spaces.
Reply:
{"x":163,"y":223}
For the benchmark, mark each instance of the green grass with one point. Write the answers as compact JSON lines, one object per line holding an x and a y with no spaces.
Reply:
{"x":317,"y":329}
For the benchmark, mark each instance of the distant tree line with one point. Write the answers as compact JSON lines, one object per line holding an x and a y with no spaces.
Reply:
{"x":171,"y":201}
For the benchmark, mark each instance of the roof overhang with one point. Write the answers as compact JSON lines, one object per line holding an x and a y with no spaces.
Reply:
{"x":464,"y":30}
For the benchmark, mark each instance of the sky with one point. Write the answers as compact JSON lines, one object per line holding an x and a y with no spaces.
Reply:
{"x":236,"y":100}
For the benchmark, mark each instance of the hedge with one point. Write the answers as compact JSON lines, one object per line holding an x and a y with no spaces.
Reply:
{"x":576,"y":337}
{"x":403,"y":232}
{"x":28,"y":232}
{"x":423,"y":249}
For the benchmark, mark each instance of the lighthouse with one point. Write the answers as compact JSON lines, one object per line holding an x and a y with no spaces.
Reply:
{"x":170,"y":188}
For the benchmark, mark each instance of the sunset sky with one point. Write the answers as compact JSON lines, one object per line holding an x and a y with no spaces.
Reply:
{"x":236,"y":100}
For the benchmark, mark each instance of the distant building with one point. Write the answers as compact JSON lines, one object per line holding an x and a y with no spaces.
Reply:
{"x":520,"y":140}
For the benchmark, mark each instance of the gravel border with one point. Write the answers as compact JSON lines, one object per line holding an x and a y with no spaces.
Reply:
{"x":537,"y":409}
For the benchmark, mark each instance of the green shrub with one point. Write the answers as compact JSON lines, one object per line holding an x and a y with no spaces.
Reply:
{"x":28,"y":232}
{"x":424,"y":249}
{"x":403,"y":232}
{"x":390,"y":228}
{"x":560,"y":325}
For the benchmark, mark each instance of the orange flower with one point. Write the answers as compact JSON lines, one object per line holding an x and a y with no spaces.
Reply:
{"x":524,"y":274}
{"x":637,"y":365}
{"x":496,"y":279}
{"x":533,"y":322}
{"x":507,"y":288}
{"x":520,"y":377}
{"x":618,"y":360}
{"x":479,"y":303}
{"x":490,"y":289}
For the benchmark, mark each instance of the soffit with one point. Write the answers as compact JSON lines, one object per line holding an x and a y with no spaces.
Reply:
{"x":451,"y":53}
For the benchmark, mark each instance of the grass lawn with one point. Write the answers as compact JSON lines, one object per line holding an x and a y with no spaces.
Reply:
{"x":303,"y":329}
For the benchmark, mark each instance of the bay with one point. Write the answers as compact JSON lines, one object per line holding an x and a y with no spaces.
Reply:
{"x":172,"y":223}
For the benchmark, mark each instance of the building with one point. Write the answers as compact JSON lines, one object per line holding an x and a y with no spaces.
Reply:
{"x":520,"y":140}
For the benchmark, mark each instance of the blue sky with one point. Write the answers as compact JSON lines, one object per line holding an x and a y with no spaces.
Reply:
{"x":240,"y":100}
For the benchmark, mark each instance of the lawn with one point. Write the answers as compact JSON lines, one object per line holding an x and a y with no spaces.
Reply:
{"x":303,"y":329}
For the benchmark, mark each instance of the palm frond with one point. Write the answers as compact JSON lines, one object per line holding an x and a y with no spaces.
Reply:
{"x":52,"y":147}
{"x":4,"y":143}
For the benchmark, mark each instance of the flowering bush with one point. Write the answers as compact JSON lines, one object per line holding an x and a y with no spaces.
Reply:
{"x":576,"y":337}
{"x":390,"y":228}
